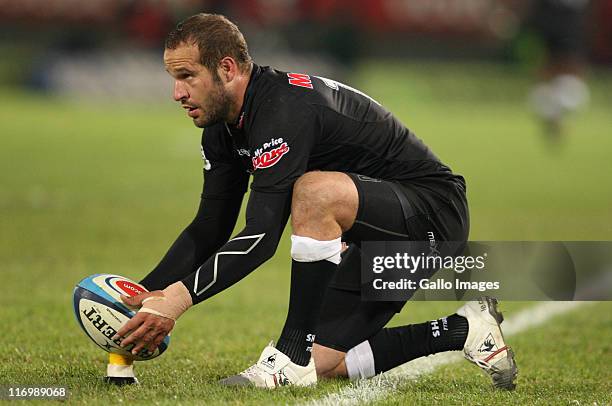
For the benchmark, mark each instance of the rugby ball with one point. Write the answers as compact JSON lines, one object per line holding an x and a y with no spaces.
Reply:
{"x":101,"y":313}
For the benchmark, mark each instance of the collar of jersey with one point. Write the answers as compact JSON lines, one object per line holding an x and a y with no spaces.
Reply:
{"x":255,"y":72}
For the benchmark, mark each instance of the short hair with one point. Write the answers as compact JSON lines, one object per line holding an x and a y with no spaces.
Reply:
{"x":216,"y":38}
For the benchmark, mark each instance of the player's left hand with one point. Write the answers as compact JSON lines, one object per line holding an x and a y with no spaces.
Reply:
{"x":156,"y":318}
{"x":145,"y":330}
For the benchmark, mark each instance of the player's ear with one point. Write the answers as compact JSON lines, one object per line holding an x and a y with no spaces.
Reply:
{"x":227,"y":69}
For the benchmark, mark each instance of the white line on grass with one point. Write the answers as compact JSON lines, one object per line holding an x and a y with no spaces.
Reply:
{"x":384,"y":385}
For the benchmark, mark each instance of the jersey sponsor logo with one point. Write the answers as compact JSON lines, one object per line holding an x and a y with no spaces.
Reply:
{"x":270,"y":158}
{"x":243,"y":152}
{"x":300,"y":79}
{"x":264,"y":159}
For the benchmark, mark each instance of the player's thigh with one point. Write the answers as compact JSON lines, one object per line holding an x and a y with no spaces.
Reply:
{"x":322,"y":195}
{"x":380,"y":215}
{"x":390,"y":211}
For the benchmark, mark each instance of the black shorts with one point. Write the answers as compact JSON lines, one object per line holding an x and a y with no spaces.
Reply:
{"x":388,"y":211}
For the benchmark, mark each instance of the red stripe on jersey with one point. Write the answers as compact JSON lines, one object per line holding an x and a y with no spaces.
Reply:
{"x":300,"y":79}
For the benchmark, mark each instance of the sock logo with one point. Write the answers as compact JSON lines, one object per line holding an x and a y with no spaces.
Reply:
{"x":310,"y":338}
{"x":488,"y":345}
{"x":435,"y":328}
{"x":444,"y":323}
{"x":270,"y":361}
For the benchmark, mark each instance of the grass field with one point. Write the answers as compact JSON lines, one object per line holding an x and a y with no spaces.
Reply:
{"x":98,"y":188}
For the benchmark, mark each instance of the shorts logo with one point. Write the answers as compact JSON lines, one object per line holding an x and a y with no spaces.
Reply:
{"x":364,"y":178}
{"x":263,"y":160}
{"x":300,"y":79}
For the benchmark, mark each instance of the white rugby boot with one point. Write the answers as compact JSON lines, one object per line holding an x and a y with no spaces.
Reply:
{"x":485,"y":345}
{"x":274,"y":369}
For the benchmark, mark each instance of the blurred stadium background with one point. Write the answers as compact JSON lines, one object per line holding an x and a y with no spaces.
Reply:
{"x":99,"y":172}
{"x":112,"y":48}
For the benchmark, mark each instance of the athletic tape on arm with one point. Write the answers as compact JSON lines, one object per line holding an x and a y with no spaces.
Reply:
{"x":176,"y":301}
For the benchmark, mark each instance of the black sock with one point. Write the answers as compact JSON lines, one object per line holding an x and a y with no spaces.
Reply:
{"x":394,"y":346}
{"x":309,"y":281}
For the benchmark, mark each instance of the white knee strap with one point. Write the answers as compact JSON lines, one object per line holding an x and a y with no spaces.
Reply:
{"x":305,"y":249}
{"x":359,"y":362}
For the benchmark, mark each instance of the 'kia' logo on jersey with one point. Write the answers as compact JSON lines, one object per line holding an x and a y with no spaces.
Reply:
{"x":270,"y":158}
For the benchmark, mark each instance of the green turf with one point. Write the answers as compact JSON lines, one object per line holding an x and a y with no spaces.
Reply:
{"x":90,"y":188}
{"x":561,"y":362}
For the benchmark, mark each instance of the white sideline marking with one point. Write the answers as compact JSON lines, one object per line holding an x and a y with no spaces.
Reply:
{"x":384,"y":385}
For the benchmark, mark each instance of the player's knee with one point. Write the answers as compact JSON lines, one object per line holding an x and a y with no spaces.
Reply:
{"x":328,"y":362}
{"x":312,"y":190}
{"x":324,"y":200}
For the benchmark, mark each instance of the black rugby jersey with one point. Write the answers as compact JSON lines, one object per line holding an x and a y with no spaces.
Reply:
{"x":290,"y":123}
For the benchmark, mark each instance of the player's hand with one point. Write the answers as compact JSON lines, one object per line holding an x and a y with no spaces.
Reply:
{"x":145,"y":330}
{"x":136,"y":301}
{"x":156,"y":318}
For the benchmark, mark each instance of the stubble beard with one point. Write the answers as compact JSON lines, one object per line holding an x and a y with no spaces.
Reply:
{"x":216,"y":110}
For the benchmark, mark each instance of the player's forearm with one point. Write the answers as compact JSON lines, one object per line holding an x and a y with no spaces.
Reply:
{"x":267,"y":215}
{"x":209,"y":230}
{"x":180,"y":260}
{"x":234,"y":261}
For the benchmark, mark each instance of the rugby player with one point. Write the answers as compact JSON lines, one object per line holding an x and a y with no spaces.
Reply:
{"x":562,"y":89}
{"x":345,"y":169}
